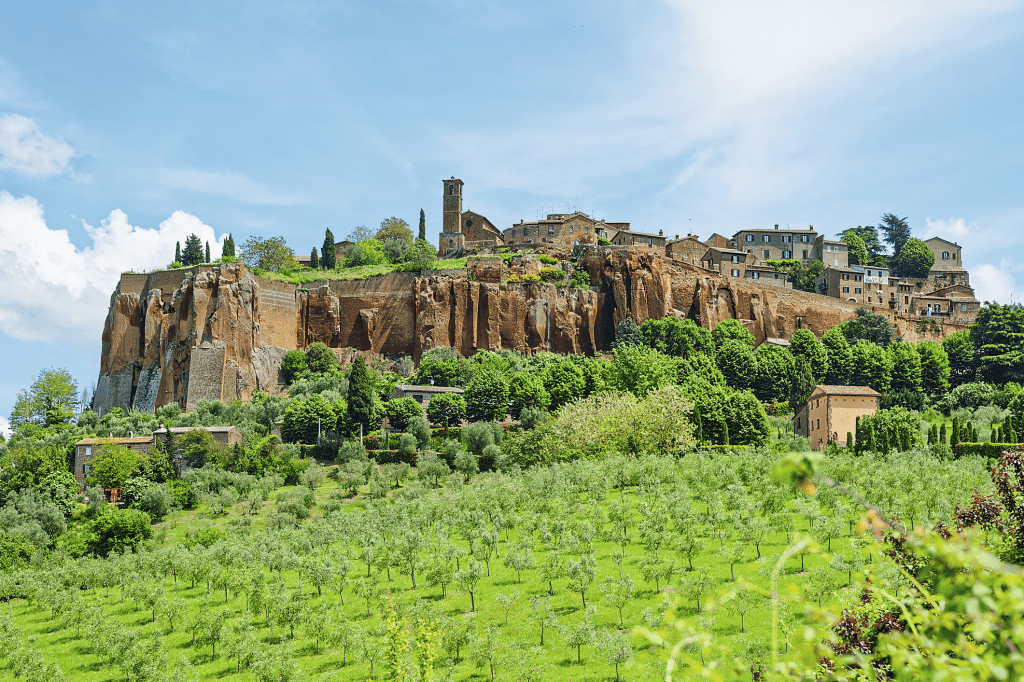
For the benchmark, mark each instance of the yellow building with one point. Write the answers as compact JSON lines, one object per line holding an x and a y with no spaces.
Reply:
{"x":832,"y":411}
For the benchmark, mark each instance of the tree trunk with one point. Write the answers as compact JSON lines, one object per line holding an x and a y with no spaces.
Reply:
{"x":472,"y":602}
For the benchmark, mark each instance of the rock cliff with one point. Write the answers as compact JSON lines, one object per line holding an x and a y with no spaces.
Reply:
{"x":219,"y":332}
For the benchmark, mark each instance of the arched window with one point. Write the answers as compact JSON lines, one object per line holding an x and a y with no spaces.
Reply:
{"x":576,"y":242}
{"x":451,"y":189}
{"x":451,"y":243}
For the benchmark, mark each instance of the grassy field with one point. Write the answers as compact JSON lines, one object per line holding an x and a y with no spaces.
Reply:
{"x":619,"y":512}
{"x":305,"y":275}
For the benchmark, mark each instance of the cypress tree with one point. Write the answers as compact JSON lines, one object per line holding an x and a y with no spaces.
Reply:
{"x":942,"y":433}
{"x":423,"y":225}
{"x":869,"y":437}
{"x":177,"y":252}
{"x":905,"y":439}
{"x":229,"y":247}
{"x":849,"y":441}
{"x":327,"y":257}
{"x":314,"y":260}
{"x":954,"y":439}
{"x":999,"y":434}
{"x":360,"y":394}
{"x":208,"y":259}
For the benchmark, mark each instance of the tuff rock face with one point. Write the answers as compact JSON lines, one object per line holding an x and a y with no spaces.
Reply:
{"x":219,"y":332}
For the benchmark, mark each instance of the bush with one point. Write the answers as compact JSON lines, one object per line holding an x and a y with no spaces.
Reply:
{"x":547,"y":260}
{"x":182,"y":495}
{"x":601,"y":241}
{"x":156,"y":501}
{"x":419,"y":428}
{"x":401,"y":411}
{"x":481,"y":434}
{"x":580,"y":279}
{"x":291,"y":469}
{"x":351,"y":451}
{"x":551,"y":274}
{"x":116,"y":530}
{"x":15,"y":552}
{"x":407,"y":445}
{"x":528,"y":279}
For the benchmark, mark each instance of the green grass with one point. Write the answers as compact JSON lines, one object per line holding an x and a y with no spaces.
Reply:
{"x":304,"y":275}
{"x":74,"y":656}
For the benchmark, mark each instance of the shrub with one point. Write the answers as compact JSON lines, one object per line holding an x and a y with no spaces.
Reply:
{"x":117,"y":530}
{"x":551,"y":274}
{"x":419,"y":428}
{"x":401,"y":411}
{"x":407,"y":445}
{"x":547,"y":260}
{"x":529,"y":279}
{"x":580,"y":279}
{"x":351,"y":451}
{"x":601,"y":241}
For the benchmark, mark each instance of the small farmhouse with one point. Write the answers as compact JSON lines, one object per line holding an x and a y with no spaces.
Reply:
{"x":832,"y":411}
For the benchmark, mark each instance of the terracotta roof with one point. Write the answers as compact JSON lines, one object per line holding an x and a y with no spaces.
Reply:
{"x":846,"y":390}
{"x":116,"y":441}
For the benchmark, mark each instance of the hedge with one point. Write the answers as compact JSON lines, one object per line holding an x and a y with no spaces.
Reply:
{"x":992,"y":450}
{"x":391,"y":457}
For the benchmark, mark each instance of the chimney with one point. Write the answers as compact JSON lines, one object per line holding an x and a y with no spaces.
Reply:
{"x":811,"y":227}
{"x":776,"y":226}
{"x":661,"y":233}
{"x":677,"y":236}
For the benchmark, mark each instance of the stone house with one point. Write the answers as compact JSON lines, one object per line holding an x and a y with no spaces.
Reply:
{"x":717,"y":241}
{"x":832,"y":411}
{"x":776,"y":244}
{"x":765,"y":274}
{"x":845,"y":283}
{"x":877,"y":290}
{"x":646,"y":239}
{"x":730,"y":262}
{"x":688,"y":249}
{"x":421,"y":394}
{"x":563,"y":228}
{"x":947,"y":256}
{"x":836,"y":254}
{"x":87,"y":448}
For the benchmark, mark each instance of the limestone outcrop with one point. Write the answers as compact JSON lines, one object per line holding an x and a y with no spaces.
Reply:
{"x":219,"y":332}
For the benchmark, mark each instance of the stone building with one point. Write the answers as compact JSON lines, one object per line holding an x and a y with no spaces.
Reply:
{"x":836,"y":254}
{"x":776,"y":244}
{"x":688,"y":249}
{"x":645,"y":239}
{"x":564,"y":229}
{"x":87,"y":448}
{"x":845,"y":283}
{"x":831,"y":412}
{"x":947,"y":256}
{"x":729,"y":262}
{"x":718,"y":241}
{"x":765,"y":274}
{"x":421,"y":394}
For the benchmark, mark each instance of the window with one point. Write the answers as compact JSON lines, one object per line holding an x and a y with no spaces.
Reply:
{"x":787,"y":238}
{"x":805,"y":238}
{"x":766,"y":238}
{"x":553,"y":229}
{"x":805,"y":253}
{"x":735,"y":258}
{"x":469,"y":223}
{"x":85,"y":469}
{"x":418,"y":398}
{"x":767,"y":254}
{"x":846,"y":276}
{"x":945,"y":255}
{"x":88,"y":451}
{"x":650,"y":241}
{"x":735,"y":273}
{"x":575,"y":242}
{"x":748,"y":237}
{"x":859,"y":278}
{"x":787,"y":254}
{"x":451,"y":189}
{"x":846,"y":290}
{"x":856,"y":290}
{"x":586,"y":230}
{"x":906,"y":300}
{"x":869,"y":299}
{"x":963,"y":307}
{"x":755,"y":275}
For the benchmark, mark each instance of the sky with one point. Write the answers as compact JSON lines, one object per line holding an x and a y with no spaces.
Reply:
{"x":124,"y":127}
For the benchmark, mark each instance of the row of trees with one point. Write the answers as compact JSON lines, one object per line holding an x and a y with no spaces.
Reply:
{"x":194,"y":254}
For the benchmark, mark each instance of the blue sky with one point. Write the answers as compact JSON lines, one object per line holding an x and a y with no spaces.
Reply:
{"x":125,"y":126}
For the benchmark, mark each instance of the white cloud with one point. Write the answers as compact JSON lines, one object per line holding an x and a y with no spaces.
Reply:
{"x":224,"y":184}
{"x":25,"y":149}
{"x":53,"y":291}
{"x":5,"y":427}
{"x":952,"y":229}
{"x":995,"y":283}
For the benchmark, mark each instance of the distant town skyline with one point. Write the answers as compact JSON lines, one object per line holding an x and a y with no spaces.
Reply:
{"x":124,"y":128}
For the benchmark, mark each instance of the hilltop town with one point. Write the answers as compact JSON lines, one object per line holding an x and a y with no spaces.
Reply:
{"x":752,"y":254}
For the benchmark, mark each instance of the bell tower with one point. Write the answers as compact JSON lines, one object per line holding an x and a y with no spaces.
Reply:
{"x":452,"y":239}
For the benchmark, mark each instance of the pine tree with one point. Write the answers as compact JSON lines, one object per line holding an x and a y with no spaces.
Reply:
{"x":327,"y":252}
{"x":208,"y":259}
{"x":423,"y":225}
{"x":177,"y":252}
{"x":360,"y":395}
{"x":229,"y":247}
{"x":193,"y":253}
{"x":314,"y":260}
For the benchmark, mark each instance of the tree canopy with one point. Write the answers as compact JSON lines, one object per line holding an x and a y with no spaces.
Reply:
{"x":272,"y":253}
{"x":915,"y":259}
{"x":895,"y":231}
{"x":50,"y":400}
